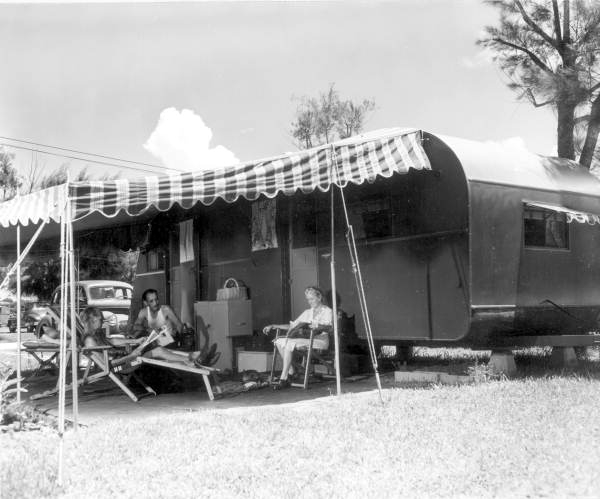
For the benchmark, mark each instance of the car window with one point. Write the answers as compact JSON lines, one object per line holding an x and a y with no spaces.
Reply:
{"x":112,"y":292}
{"x":100,"y":292}
{"x":123,"y":293}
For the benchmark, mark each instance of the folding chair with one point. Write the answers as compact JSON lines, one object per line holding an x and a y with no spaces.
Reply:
{"x":46,"y":355}
{"x":322,"y":356}
{"x":279,"y":333}
{"x":309,"y":354}
{"x":99,"y":367}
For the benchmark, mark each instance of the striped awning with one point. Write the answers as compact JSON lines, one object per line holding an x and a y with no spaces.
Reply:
{"x":33,"y":208}
{"x":581,"y":217}
{"x":354,"y":160}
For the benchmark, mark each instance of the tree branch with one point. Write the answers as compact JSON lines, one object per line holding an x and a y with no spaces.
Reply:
{"x":556,"y":18}
{"x":566,"y":21}
{"x":535,"y":27}
{"x":535,"y":103}
{"x":531,"y":55}
{"x":594,"y":88}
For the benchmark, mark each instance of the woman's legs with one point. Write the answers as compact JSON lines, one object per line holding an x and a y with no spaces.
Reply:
{"x":288,"y":352}
{"x":285,"y":347}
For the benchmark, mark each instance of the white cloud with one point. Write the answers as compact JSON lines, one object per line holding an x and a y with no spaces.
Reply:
{"x":181,"y":140}
{"x":483,"y":58}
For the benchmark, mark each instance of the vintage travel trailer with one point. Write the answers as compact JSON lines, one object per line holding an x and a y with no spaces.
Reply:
{"x":459,"y":242}
{"x":492,"y":242}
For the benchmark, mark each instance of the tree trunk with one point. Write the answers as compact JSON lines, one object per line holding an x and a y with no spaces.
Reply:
{"x":566,"y":125}
{"x":591,"y":137}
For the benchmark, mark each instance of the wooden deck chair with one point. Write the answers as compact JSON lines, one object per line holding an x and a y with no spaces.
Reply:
{"x":103,"y":362}
{"x":206,"y":372}
{"x":99,"y":367}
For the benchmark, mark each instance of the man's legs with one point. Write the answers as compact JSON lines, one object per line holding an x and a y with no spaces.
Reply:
{"x":163,"y":353}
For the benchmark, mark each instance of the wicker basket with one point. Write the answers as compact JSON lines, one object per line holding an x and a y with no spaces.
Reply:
{"x":232,"y":290}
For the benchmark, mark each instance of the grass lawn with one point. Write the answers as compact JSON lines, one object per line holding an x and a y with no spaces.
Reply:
{"x":535,"y":436}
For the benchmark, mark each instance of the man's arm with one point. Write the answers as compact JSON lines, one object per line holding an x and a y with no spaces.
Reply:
{"x":170,"y":315}
{"x":140,"y":324}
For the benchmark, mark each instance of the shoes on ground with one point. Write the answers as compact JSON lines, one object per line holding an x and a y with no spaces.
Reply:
{"x":283,"y":383}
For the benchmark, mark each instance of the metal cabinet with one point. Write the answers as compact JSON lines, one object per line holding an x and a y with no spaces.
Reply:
{"x":221,"y":320}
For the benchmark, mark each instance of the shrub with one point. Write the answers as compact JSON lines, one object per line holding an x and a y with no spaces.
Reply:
{"x":17,"y":415}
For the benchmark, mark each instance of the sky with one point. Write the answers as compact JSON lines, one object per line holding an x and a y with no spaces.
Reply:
{"x":204,"y":84}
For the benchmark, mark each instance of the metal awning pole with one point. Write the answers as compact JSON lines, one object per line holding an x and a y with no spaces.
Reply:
{"x":18,"y":313}
{"x":22,"y":256}
{"x":358,"y":279}
{"x":336,"y":332}
{"x":74,"y":353}
{"x":62,"y":351}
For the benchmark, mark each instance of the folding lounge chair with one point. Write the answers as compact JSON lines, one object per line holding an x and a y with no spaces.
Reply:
{"x":205,"y":372}
{"x":100,"y":365}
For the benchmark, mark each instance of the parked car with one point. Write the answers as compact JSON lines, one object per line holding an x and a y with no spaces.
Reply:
{"x":113,"y":298}
{"x":7,"y":313}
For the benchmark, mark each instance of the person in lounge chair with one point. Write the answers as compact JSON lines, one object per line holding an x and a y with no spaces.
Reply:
{"x":156,"y":317}
{"x":94,"y":335}
{"x":318,"y":316}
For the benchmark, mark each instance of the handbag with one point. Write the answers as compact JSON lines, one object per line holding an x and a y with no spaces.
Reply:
{"x":301,"y":330}
{"x":232,"y":290}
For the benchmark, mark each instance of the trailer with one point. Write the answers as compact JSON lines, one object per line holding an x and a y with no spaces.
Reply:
{"x":459,"y":242}
{"x":492,"y":246}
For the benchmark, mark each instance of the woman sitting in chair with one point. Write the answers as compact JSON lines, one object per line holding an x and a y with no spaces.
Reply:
{"x":317,"y":316}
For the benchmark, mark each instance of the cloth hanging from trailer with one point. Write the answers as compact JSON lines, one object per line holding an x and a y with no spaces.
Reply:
{"x":264,"y":229}
{"x":186,"y":241}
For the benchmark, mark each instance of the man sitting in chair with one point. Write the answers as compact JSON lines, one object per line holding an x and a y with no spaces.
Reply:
{"x":160,"y":317}
{"x":154,"y":316}
{"x":318,"y":316}
{"x":157,"y":317}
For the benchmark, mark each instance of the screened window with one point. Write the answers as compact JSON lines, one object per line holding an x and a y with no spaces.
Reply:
{"x":545,"y":228}
{"x":372,"y":217}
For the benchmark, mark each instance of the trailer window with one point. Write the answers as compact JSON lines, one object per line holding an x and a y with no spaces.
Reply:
{"x":545,"y":228}
{"x":371,"y":218}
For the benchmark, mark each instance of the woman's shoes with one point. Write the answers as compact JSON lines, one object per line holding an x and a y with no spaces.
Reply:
{"x":283,"y":383}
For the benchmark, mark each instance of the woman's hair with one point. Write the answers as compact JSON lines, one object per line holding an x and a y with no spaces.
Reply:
{"x":313,"y":290}
{"x":90,"y":312}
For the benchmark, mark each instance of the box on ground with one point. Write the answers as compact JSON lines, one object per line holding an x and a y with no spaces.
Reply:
{"x":257,"y":361}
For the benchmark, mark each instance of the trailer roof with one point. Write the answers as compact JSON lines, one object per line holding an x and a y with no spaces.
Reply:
{"x":511,"y":163}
